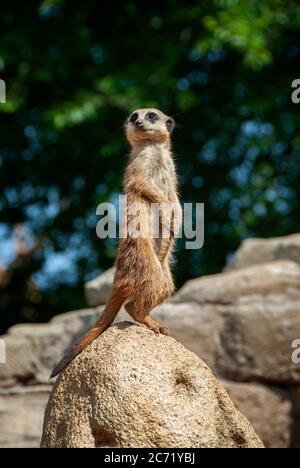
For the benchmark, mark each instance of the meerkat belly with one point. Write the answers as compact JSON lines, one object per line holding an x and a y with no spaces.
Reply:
{"x":137,"y":217}
{"x":162,"y":179}
{"x":162,"y":217}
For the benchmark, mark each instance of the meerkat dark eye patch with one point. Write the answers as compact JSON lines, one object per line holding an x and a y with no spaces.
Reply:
{"x":152,"y":116}
{"x":170,"y":124}
{"x":133,"y":117}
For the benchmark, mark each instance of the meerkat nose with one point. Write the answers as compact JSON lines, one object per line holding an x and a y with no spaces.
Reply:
{"x":138,"y":123}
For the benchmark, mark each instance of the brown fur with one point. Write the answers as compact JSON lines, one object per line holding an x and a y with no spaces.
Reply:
{"x":143,"y":276}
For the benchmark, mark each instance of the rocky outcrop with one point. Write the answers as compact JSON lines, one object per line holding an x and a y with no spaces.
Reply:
{"x":196,"y":326}
{"x":255,"y":251}
{"x":98,"y":290}
{"x":21,"y":415}
{"x":133,"y":388}
{"x":256,"y":340}
{"x":256,"y":313}
{"x":33,"y":350}
{"x":282,"y":277}
{"x":269,"y":410}
{"x":241,"y":323}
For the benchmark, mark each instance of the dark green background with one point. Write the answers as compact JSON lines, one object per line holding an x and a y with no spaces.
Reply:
{"x":74,"y":70}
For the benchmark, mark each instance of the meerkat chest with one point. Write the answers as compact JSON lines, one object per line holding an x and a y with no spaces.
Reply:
{"x":163,"y":175}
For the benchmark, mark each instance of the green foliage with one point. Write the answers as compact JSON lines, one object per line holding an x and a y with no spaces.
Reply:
{"x":73,"y":71}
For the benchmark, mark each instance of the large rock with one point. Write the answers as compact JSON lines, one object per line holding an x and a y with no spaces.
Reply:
{"x":258,"y":280}
{"x":196,"y":326}
{"x":32,"y":350}
{"x":256,"y":341}
{"x":260,"y":308}
{"x":133,"y":388}
{"x":98,"y":290}
{"x":254,"y":251}
{"x":269,"y":410}
{"x":21,"y":415}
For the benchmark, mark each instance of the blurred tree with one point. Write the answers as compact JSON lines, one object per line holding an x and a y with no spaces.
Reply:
{"x":73,"y":71}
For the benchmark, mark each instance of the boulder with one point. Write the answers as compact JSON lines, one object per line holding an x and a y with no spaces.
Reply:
{"x":98,"y":290}
{"x":196,"y":326}
{"x":259,"y":306}
{"x":256,"y":340}
{"x":32,"y":350}
{"x":254,"y":251}
{"x":134,"y":388}
{"x":21,"y":415}
{"x":258,"y":280}
{"x":269,"y":410}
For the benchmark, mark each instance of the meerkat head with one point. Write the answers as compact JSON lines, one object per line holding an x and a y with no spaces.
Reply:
{"x":148,"y":124}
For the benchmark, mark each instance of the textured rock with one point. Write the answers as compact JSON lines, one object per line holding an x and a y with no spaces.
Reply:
{"x":225,"y":288}
{"x":268,"y":409}
{"x":253,"y":251}
{"x":21,"y":416}
{"x":259,"y":308}
{"x":196,"y":326}
{"x":33,"y":349}
{"x":255,"y":343}
{"x":133,"y":388}
{"x":98,"y":290}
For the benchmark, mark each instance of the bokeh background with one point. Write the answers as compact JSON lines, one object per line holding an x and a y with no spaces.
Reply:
{"x":74,"y":70}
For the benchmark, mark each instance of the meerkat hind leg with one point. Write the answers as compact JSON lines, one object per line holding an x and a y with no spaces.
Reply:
{"x":155,"y":326}
{"x":145,"y":319}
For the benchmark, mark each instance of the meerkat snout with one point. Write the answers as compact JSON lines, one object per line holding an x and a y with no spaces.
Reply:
{"x":148,"y":124}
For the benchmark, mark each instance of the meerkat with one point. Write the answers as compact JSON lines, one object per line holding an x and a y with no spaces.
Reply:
{"x":143,"y":277}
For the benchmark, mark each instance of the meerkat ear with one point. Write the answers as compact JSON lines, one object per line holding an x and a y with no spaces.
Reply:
{"x":170,"y":123}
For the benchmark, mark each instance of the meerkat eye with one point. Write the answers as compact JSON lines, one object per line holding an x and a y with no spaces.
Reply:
{"x":152,"y":116}
{"x":133,"y":117}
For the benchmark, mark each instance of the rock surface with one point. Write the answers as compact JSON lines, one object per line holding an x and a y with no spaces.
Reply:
{"x":240,"y":322}
{"x":133,"y":388}
{"x":268,"y":409}
{"x":21,"y":415}
{"x":254,"y":317}
{"x":32,"y":350}
{"x":98,"y":290}
{"x":258,"y":280}
{"x":256,"y":341}
{"x":254,"y":251}
{"x":196,"y":326}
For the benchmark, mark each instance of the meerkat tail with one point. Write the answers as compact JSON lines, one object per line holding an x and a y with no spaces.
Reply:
{"x":111,"y":309}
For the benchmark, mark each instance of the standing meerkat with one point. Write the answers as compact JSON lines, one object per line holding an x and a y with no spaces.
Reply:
{"x":143,"y":277}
